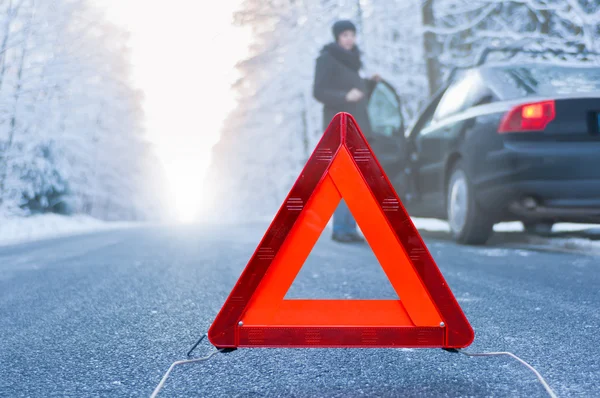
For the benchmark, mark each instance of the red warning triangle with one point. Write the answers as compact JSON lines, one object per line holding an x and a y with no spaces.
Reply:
{"x":426,"y":313}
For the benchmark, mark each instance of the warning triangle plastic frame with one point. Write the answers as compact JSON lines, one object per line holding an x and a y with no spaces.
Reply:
{"x":426,"y":315}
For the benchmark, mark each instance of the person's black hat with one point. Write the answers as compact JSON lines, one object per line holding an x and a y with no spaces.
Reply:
{"x":341,"y":26}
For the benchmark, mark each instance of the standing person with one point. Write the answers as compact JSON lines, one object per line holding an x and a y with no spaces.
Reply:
{"x":339,"y":86}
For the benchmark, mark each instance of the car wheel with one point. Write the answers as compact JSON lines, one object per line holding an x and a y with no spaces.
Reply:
{"x":468,"y":223}
{"x":538,"y":228}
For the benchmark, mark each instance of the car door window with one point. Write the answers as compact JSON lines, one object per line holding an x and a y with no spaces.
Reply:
{"x":455,"y":99}
{"x":384,"y":110}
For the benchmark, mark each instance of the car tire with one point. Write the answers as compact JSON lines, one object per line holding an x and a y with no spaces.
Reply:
{"x":468,"y":223}
{"x":538,"y":228}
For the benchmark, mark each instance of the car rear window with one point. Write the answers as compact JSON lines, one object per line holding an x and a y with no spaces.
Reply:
{"x":515,"y":82}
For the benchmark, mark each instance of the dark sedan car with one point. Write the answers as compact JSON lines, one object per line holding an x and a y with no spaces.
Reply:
{"x":499,"y":142}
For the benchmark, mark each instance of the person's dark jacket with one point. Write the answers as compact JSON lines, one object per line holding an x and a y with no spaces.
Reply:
{"x":337,"y":72}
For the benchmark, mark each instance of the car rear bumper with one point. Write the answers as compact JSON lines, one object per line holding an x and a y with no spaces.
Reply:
{"x":533,"y":181}
{"x":574,"y":201}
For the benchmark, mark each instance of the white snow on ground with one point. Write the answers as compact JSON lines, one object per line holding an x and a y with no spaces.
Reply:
{"x":429,"y":224}
{"x":580,"y":244}
{"x":433,"y":225}
{"x":46,"y":226}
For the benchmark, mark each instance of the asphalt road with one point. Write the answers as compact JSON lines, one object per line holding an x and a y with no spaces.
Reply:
{"x":106,"y":314}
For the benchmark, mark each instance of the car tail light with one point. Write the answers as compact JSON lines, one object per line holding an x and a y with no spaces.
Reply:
{"x":528,"y":117}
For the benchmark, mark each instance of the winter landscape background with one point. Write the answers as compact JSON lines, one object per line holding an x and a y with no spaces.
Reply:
{"x":72,"y":127}
{"x":412,"y":43}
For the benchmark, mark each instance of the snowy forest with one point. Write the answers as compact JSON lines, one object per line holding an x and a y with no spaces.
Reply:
{"x":71,"y":123}
{"x":412,"y":44}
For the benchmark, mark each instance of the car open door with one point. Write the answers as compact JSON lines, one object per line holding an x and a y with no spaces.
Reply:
{"x":387,"y":140}
{"x":414,"y":158}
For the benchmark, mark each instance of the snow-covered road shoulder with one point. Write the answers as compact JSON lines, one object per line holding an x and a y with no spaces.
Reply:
{"x":565,"y":236}
{"x":47,"y":226}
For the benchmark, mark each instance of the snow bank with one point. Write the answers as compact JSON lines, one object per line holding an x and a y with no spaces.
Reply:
{"x":46,"y":226}
{"x":566,"y":243}
{"x":433,"y":225}
{"x":429,"y":224}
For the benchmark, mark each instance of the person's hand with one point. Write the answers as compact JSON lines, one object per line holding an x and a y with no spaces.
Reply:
{"x":354,"y":95}
{"x":376,"y":78}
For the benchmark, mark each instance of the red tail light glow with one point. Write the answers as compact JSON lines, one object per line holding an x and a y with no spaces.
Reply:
{"x":528,"y":117}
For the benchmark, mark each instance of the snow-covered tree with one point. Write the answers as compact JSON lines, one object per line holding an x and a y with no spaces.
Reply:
{"x":270,"y":135}
{"x":71,"y":133}
{"x":464,"y":28}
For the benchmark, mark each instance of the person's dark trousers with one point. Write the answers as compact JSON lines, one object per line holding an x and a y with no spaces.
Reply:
{"x":344,"y":225}
{"x":343,"y":222}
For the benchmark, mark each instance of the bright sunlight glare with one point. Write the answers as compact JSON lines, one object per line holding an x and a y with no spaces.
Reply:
{"x":184,"y":55}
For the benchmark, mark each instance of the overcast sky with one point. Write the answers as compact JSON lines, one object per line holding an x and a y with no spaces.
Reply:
{"x":183,"y":59}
